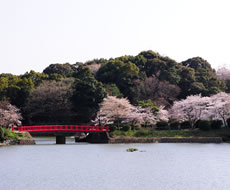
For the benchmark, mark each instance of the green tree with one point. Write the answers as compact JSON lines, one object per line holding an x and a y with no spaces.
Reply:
{"x":187,"y":75}
{"x":36,"y":77}
{"x":206,"y":81}
{"x":120,"y":73}
{"x":113,"y":90}
{"x":96,"y":61}
{"x":88,"y":93}
{"x":19,"y":94}
{"x":15,"y":89}
{"x":61,"y":69}
{"x":146,"y":104}
{"x":153,"y":64}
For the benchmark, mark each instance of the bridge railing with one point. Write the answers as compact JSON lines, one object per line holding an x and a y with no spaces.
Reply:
{"x":46,"y":128}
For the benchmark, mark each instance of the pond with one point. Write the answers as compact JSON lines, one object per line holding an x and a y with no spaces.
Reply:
{"x":109,"y":166}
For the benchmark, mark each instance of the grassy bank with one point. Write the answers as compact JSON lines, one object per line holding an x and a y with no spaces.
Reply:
{"x":8,"y":135}
{"x":148,"y":132}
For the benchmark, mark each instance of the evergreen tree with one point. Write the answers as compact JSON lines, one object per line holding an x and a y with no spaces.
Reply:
{"x":88,"y":93}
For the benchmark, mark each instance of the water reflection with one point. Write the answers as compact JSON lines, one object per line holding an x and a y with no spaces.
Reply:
{"x":52,"y":140}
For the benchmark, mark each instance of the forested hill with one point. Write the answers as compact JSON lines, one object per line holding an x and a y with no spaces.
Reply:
{"x":148,"y":75}
{"x":61,"y":90}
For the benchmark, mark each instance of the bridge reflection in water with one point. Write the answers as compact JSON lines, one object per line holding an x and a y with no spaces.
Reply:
{"x":60,"y":131}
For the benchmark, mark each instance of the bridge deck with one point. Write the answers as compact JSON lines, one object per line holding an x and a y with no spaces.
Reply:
{"x":53,"y":128}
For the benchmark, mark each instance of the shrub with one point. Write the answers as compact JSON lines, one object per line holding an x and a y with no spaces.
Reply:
{"x":185,"y":125}
{"x":175,"y":125}
{"x":112,"y":128}
{"x":216,"y":124}
{"x":117,"y":133}
{"x":21,"y":134}
{"x":2,"y":131}
{"x":10,"y":135}
{"x":162,"y":125}
{"x":204,"y":125}
{"x":143,"y":132}
{"x":126,"y":127}
{"x":6,"y":134}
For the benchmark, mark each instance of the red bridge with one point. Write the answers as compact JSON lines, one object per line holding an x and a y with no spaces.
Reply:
{"x":60,"y":131}
{"x":47,"y":128}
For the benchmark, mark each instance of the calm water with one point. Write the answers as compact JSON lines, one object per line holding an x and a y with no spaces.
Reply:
{"x":47,"y":166}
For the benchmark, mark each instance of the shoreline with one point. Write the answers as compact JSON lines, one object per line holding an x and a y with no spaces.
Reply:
{"x":18,"y":142}
{"x":106,"y":138}
{"x":118,"y":140}
{"x":130,"y":140}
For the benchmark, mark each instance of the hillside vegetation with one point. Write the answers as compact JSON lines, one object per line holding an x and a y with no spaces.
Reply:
{"x":72,"y":93}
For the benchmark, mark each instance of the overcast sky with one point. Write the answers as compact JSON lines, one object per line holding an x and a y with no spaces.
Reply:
{"x":36,"y":33}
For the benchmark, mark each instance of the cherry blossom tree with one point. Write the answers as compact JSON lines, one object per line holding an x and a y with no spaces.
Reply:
{"x":94,"y":67}
{"x":162,"y":114}
{"x":223,"y":73}
{"x":101,"y":119}
{"x":192,"y":109}
{"x":9,"y":115}
{"x":220,"y":107}
{"x":113,"y":110}
{"x":151,"y":117}
{"x":140,"y":116}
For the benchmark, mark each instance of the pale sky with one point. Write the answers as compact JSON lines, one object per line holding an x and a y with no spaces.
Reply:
{"x":37,"y":33}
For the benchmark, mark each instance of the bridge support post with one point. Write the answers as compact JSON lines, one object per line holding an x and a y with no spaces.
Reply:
{"x":60,"y":139}
{"x":102,"y":137}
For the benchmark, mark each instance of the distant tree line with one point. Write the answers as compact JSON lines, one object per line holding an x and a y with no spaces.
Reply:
{"x":73,"y":93}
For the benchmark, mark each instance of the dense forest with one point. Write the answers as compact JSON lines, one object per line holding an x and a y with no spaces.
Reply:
{"x":72,"y":93}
